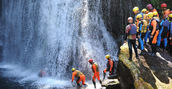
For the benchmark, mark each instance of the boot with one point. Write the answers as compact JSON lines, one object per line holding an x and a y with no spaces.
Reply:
{"x":100,"y":82}
{"x":94,"y":83}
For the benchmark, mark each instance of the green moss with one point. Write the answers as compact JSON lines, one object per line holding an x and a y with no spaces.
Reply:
{"x":139,"y":83}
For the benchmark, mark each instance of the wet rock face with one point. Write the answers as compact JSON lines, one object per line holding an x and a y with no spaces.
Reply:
{"x":115,"y":14}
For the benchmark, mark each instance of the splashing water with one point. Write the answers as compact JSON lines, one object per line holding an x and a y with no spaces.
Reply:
{"x":54,"y":34}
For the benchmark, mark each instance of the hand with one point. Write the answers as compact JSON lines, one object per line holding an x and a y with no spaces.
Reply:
{"x":125,"y":41}
{"x":151,"y":36}
{"x":138,"y":36}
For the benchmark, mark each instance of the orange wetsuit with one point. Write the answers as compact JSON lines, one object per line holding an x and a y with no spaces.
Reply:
{"x":110,"y":67}
{"x":95,"y":71}
{"x":154,"y":31}
{"x":79,"y":75}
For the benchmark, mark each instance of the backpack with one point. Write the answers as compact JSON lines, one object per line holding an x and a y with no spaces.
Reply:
{"x":133,"y":29}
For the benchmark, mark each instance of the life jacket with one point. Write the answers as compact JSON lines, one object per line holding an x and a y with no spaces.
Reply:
{"x":78,"y":73}
{"x":144,"y":26}
{"x":133,"y":29}
{"x":158,"y":24}
{"x":145,"y":16}
{"x":97,"y":68}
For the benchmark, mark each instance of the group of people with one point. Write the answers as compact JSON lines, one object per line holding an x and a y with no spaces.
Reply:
{"x":95,"y":68}
{"x":149,"y":27}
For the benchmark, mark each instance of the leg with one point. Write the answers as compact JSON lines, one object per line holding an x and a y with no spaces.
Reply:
{"x":130,"y":49}
{"x":165,"y":43}
{"x":78,"y":81}
{"x":83,"y":80}
{"x":93,"y":80}
{"x":135,"y":49}
{"x":104,"y":74}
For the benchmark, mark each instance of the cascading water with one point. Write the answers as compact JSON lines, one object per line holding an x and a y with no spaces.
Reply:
{"x":55,"y":35}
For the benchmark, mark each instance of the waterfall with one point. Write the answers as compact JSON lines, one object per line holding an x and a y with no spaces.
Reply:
{"x":55,"y":34}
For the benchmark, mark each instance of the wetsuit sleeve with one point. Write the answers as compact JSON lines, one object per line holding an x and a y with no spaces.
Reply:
{"x":73,"y":75}
{"x":111,"y":65}
{"x":154,"y":24}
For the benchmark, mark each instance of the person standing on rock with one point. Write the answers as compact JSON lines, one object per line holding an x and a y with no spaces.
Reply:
{"x":131,"y":31}
{"x":95,"y":70}
{"x":154,"y":31}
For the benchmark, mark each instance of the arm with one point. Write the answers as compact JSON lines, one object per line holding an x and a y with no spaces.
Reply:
{"x":73,"y":75}
{"x":154,"y":23}
{"x":111,"y":65}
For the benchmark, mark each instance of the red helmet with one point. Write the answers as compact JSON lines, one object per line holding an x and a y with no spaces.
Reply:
{"x":149,"y":7}
{"x":163,"y":5}
{"x":90,"y":60}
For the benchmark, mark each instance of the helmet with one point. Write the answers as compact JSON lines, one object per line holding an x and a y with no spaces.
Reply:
{"x":73,"y":69}
{"x":144,"y":10}
{"x":149,"y":7}
{"x":163,"y":5}
{"x":138,"y":16}
{"x":107,"y":56}
{"x":130,"y":18}
{"x":135,"y":9}
{"x":150,"y":15}
{"x":170,"y":15}
{"x":90,"y":60}
{"x":155,"y":13}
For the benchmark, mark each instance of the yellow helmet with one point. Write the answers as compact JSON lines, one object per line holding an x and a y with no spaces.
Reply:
{"x":170,"y":15}
{"x":135,"y":9}
{"x":138,"y":16}
{"x":73,"y":69}
{"x":150,"y":15}
{"x":107,"y":56}
{"x":144,"y":10}
{"x":155,"y":13}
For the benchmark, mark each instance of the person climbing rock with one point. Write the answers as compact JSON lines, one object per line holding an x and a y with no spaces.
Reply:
{"x":150,"y":8}
{"x":79,"y":75}
{"x":110,"y":66}
{"x":142,"y":31}
{"x":95,"y":70}
{"x":165,"y":11}
{"x":154,"y":30}
{"x":131,"y":36}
